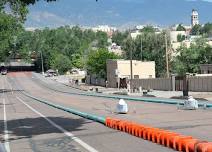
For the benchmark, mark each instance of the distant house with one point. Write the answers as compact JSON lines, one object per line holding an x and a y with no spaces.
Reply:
{"x":115,"y":49}
{"x":119,"y":70}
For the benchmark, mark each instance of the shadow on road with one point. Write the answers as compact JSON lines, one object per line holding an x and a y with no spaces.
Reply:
{"x":29,"y":127}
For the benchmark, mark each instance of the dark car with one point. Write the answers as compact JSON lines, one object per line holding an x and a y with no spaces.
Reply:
{"x":4,"y":71}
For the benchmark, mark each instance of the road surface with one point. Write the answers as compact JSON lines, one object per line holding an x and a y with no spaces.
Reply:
{"x":27,"y":125}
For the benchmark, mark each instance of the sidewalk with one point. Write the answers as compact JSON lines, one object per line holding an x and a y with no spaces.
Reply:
{"x":154,"y":93}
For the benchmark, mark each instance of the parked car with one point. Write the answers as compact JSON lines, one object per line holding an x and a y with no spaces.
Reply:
{"x":4,"y":71}
{"x":51,"y":73}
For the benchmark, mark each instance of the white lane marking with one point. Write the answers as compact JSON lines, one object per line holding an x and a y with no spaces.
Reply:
{"x":11,"y":88}
{"x":6,"y":136}
{"x":76,"y":139}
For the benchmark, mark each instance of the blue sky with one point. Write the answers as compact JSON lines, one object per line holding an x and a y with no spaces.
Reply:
{"x":116,"y":12}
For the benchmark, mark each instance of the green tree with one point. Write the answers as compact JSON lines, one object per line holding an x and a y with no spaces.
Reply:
{"x":189,"y":59}
{"x":119,"y":37}
{"x":9,"y":30}
{"x":102,"y":39}
{"x":180,"y":38}
{"x":71,"y":42}
{"x":207,"y":29}
{"x":196,"y":29}
{"x":77,"y":61}
{"x":180,"y":27}
{"x":148,"y":29}
{"x":96,"y":63}
{"x":153,"y":49}
{"x":61,"y":62}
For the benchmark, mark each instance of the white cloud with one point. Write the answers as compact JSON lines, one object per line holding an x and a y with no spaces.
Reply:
{"x":44,"y":16}
{"x":202,"y":0}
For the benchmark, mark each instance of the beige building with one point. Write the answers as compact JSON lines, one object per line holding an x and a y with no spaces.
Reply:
{"x":118,"y":71}
{"x":174,"y":34}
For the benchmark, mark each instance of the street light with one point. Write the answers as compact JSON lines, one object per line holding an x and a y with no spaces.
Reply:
{"x":131,"y":71}
{"x":141,"y":48}
{"x":42,"y":62}
{"x":41,"y":53}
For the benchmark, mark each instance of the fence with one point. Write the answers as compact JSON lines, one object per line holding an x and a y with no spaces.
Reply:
{"x":198,"y":84}
{"x":93,"y":80}
{"x":156,"y":84}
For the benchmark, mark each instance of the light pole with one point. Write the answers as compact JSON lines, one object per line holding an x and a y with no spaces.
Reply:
{"x":141,"y":47}
{"x":167,"y":58}
{"x":41,"y":53}
{"x":131,"y":70}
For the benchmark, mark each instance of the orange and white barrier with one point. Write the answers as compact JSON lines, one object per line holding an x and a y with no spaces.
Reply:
{"x":163,"y":137}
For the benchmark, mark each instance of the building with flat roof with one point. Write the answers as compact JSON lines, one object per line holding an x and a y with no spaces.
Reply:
{"x":119,"y":70}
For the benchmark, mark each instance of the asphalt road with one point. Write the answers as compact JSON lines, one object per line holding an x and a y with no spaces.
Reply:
{"x":27,"y":125}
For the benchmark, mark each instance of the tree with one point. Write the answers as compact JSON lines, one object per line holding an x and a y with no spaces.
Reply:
{"x":153,"y":49}
{"x":180,"y":38}
{"x":61,"y":63}
{"x":9,"y":30}
{"x":207,"y":29}
{"x":148,"y":29}
{"x":102,"y":39}
{"x":196,"y":29}
{"x":73,"y":43}
{"x":189,"y":59}
{"x":180,"y":27}
{"x":119,"y":37}
{"x":18,"y":8}
{"x":96,"y":63}
{"x":77,"y":61}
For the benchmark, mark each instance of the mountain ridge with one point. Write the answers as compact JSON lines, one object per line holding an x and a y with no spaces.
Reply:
{"x":117,"y":12}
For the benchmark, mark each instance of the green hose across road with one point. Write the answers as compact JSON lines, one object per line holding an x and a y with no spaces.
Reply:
{"x":143,"y":99}
{"x":139,"y":99}
{"x":70,"y":110}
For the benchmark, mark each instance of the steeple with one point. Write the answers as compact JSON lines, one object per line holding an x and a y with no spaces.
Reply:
{"x":194,"y":18}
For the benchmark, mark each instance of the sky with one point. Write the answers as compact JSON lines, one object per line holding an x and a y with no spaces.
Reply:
{"x":119,"y":13}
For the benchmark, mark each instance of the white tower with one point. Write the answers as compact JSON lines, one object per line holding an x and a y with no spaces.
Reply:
{"x":194,"y":18}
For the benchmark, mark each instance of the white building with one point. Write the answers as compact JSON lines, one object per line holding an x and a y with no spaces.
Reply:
{"x":30,"y":29}
{"x":135,"y":34}
{"x":174,"y":35}
{"x":194,"y":18}
{"x":120,"y":69}
{"x":115,"y":49}
{"x":105,"y":28}
{"x":137,"y":30}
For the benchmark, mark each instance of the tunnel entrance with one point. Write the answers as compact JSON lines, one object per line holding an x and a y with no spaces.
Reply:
{"x":18,"y":65}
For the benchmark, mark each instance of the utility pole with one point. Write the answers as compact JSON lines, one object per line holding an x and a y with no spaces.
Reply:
{"x":141,"y":47}
{"x":42,"y":62}
{"x":131,"y":70}
{"x":167,"y":58}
